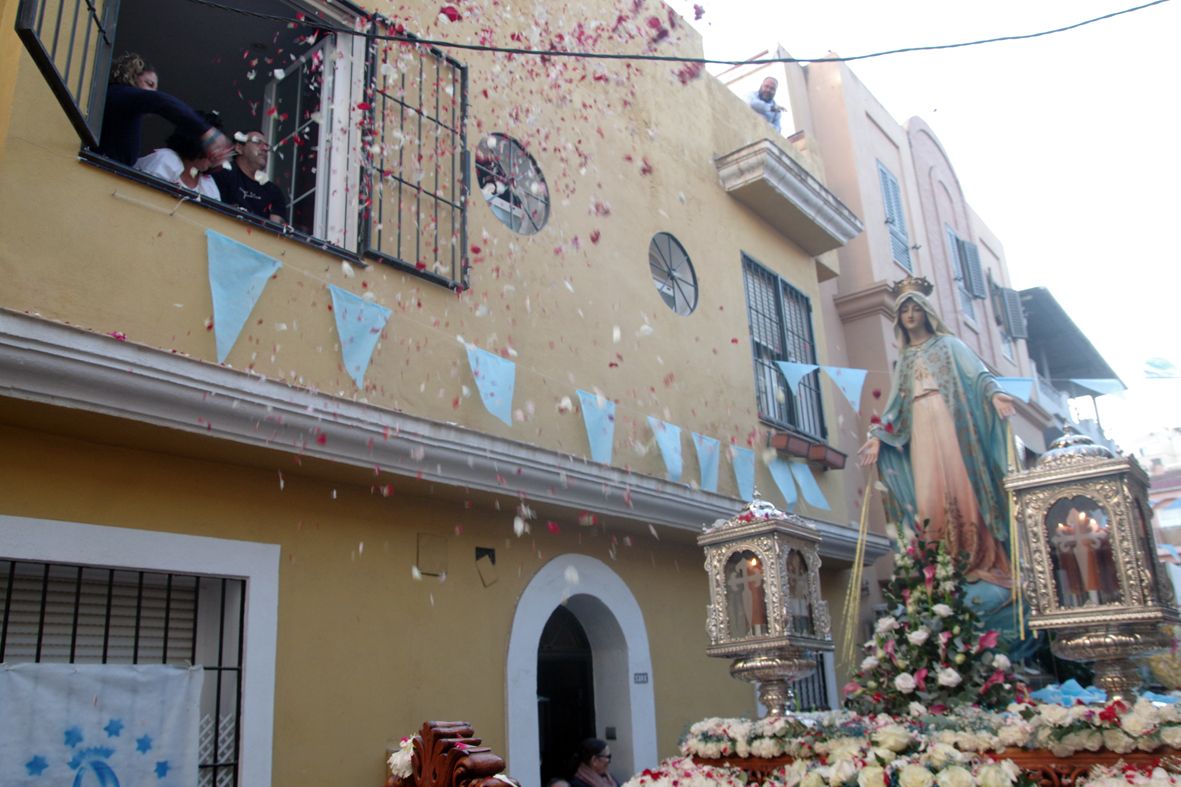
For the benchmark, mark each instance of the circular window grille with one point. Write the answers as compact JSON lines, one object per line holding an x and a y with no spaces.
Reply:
{"x":512,"y":184}
{"x":672,"y":272}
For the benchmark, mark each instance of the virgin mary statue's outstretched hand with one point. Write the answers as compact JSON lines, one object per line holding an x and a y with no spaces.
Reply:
{"x":941,"y":444}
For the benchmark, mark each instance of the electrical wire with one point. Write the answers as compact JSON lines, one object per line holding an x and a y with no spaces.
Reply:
{"x":443,"y":44}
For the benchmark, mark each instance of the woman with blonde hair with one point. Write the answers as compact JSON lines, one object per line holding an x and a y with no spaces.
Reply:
{"x":131,"y":94}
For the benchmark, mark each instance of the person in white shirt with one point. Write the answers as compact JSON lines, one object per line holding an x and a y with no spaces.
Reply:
{"x":183,"y":161}
{"x":763,"y":102}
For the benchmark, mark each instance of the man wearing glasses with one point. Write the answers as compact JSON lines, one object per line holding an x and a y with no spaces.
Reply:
{"x":243,"y":182}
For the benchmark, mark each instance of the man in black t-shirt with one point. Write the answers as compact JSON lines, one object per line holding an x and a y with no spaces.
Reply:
{"x":240,"y":184}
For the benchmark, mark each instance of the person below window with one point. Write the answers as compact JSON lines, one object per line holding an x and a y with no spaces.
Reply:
{"x":131,"y":94}
{"x":243,"y":181}
{"x":763,"y":102}
{"x":183,"y":161}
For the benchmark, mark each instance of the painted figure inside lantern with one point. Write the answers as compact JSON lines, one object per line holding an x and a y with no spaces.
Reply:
{"x":1080,"y":541}
{"x":746,"y":597}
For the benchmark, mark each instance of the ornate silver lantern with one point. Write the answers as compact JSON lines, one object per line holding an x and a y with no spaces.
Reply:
{"x":765,"y":608}
{"x":1092,"y":575}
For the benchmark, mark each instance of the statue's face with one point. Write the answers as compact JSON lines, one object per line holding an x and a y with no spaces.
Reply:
{"x":912,"y":317}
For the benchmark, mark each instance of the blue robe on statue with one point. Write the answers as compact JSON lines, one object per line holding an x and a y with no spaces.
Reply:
{"x":961,"y":458}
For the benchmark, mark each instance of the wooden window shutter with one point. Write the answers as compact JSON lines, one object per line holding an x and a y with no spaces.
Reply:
{"x":973,"y":271}
{"x":1015,"y":324}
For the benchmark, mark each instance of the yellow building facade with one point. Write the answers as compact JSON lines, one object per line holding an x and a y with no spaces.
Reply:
{"x":356,"y":559}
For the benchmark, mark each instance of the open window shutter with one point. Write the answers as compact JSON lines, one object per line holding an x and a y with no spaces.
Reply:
{"x":1015,"y":324}
{"x":895,"y":216}
{"x":416,"y":166}
{"x":71,"y":42}
{"x":973,"y":271}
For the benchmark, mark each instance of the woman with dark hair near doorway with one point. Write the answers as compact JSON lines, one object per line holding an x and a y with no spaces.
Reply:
{"x":593,"y":760}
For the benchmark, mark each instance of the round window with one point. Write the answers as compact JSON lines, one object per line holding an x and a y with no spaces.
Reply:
{"x":672,"y":272}
{"x":512,"y":184}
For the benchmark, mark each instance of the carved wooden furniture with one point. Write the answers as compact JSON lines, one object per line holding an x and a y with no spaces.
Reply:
{"x":447,"y":755}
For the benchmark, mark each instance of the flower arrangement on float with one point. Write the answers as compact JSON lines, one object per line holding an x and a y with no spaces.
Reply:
{"x":933,"y":703}
{"x":850,"y":762}
{"x":1063,"y":731}
{"x":1122,"y":774}
{"x":931,"y":648}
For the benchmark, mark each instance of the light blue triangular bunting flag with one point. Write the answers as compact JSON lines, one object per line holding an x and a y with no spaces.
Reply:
{"x":781,"y":474}
{"x":668,"y":437}
{"x":1017,"y":387}
{"x":237,"y":276}
{"x":598,"y":415}
{"x":359,"y":324}
{"x":495,"y":378}
{"x":1101,"y":387}
{"x":795,"y":372}
{"x":743,"y":460}
{"x":707,"y":460}
{"x":813,"y":495}
{"x":849,"y":381}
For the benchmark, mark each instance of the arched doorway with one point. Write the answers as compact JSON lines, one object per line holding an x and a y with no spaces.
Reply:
{"x":565,"y":692}
{"x":624,"y":701}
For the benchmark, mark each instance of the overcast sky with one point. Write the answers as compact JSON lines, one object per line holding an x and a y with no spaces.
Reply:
{"x":1067,"y":146}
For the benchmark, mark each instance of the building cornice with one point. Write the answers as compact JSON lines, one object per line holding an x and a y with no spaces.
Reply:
{"x":63,"y":366}
{"x":765,"y":178}
{"x":874,"y":300}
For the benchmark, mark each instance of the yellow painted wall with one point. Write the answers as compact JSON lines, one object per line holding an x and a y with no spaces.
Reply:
{"x":99,"y":251}
{"x":365,"y":652}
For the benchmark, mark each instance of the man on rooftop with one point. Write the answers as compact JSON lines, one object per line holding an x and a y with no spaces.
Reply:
{"x":763,"y":102}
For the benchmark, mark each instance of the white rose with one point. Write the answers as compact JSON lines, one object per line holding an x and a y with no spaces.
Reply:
{"x":905,"y":682}
{"x":812,"y":779}
{"x":915,"y":776}
{"x":872,"y":776}
{"x":993,"y":776}
{"x":916,"y":709}
{"x":884,"y":755}
{"x":954,"y":776}
{"x":792,"y":774}
{"x":1054,"y":714}
{"x":918,"y":636}
{"x":1171,"y":736}
{"x":893,"y":737}
{"x":869,"y":662}
{"x":888,"y":623}
{"x":1001,"y":662}
{"x":1118,"y":742}
{"x":1013,"y":734}
{"x":843,"y":770}
{"x":1136,"y":724}
{"x":949,"y":677}
{"x":942,"y":754}
{"x":942,"y":610}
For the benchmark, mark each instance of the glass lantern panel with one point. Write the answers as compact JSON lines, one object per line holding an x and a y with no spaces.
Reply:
{"x":745,"y":595}
{"x":798,"y":605}
{"x":1079,"y":534}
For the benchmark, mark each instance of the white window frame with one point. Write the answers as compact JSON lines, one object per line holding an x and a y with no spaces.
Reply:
{"x":341,"y":167}
{"x":53,"y":541}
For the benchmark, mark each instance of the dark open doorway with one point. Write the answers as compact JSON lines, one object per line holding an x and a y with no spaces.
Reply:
{"x":565,"y":693}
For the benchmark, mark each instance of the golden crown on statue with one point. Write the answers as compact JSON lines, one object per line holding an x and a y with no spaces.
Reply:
{"x":911,"y":284}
